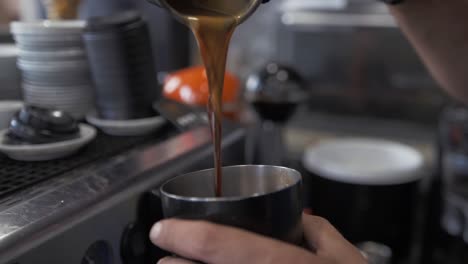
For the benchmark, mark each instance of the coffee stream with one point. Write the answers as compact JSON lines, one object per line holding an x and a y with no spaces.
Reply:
{"x":213,"y":22}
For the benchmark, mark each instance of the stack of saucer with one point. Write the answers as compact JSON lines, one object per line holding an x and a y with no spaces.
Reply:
{"x":9,"y":73}
{"x":53,"y":62}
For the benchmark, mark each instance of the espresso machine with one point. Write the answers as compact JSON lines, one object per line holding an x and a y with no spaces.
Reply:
{"x":98,"y":206}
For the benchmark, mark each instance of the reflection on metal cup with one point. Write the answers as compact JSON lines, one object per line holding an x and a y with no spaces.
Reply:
{"x":263,"y":199}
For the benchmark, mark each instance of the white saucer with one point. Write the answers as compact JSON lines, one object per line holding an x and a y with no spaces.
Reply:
{"x":135,"y":127}
{"x":48,"y":27}
{"x":50,"y":151}
{"x":364,"y":161}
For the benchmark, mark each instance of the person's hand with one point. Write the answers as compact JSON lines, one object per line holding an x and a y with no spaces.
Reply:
{"x":216,"y":244}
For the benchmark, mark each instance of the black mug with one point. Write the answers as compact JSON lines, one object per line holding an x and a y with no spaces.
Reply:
{"x":368,"y":189}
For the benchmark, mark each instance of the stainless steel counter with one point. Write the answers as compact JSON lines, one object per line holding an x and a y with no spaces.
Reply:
{"x":36,"y":215}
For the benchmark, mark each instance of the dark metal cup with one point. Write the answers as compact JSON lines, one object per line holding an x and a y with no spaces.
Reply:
{"x":263,"y":199}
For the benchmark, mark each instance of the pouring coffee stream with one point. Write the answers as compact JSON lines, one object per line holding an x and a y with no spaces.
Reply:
{"x":213,"y":23}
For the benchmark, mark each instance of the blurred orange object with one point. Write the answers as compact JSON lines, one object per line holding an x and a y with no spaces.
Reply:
{"x":190,"y":86}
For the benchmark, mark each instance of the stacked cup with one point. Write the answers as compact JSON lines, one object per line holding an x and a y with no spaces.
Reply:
{"x":54,"y":65}
{"x":121,"y":60}
{"x":9,"y":74}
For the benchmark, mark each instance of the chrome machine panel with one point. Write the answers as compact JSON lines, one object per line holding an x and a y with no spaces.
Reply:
{"x":86,"y":211}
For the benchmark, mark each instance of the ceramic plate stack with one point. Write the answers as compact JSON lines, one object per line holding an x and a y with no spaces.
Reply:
{"x":9,"y":74}
{"x":54,"y":65}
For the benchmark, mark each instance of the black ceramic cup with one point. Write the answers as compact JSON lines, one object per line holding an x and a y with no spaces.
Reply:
{"x":263,"y":199}
{"x":368,"y":189}
{"x":123,"y":72}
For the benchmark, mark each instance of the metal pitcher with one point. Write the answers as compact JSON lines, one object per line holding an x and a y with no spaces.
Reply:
{"x":163,"y":4}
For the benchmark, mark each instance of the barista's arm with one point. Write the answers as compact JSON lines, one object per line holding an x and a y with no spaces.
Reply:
{"x":438,"y":29}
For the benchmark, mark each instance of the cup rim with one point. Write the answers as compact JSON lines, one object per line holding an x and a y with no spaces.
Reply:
{"x":297,"y":181}
{"x":407,"y":163}
{"x":47,"y":27}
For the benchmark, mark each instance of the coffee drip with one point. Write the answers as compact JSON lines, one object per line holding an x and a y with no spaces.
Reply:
{"x":213,"y":23}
